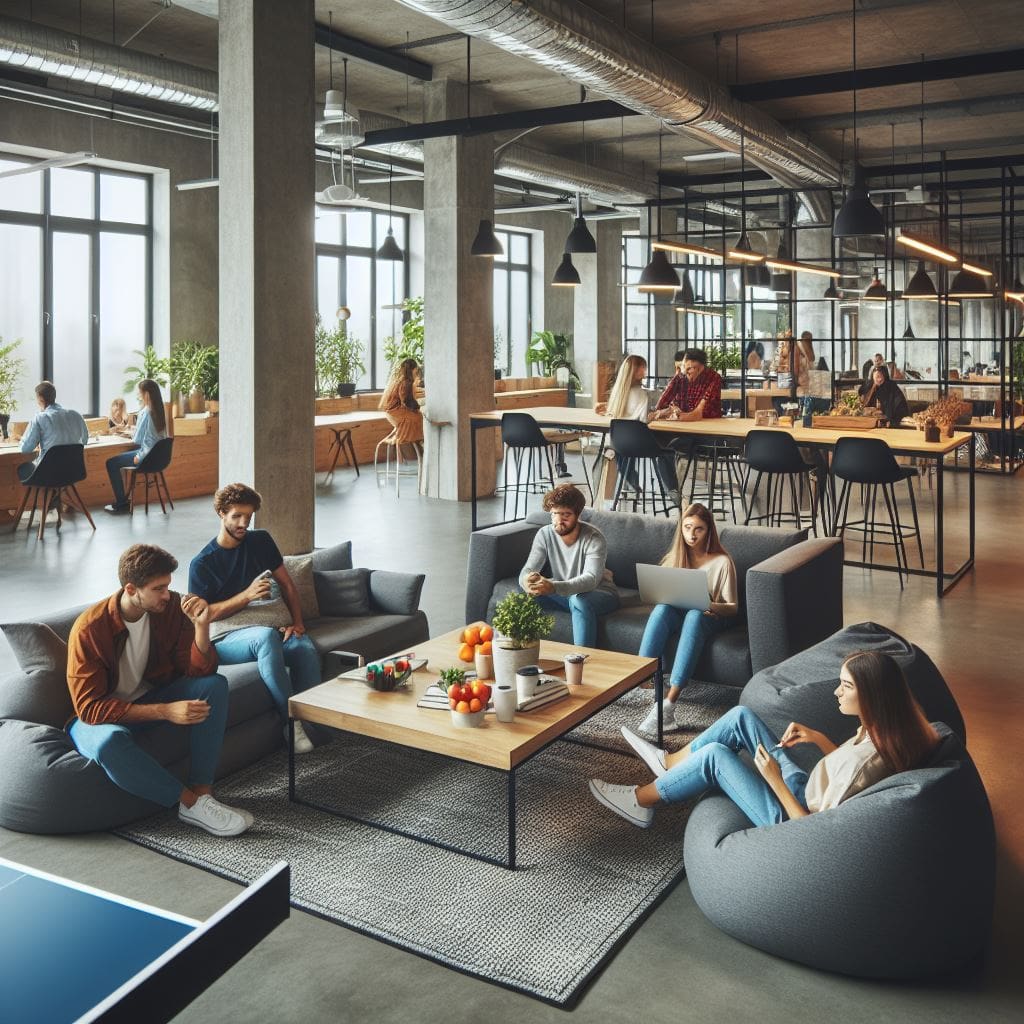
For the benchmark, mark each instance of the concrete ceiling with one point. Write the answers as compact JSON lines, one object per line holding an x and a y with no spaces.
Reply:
{"x":729,"y":41}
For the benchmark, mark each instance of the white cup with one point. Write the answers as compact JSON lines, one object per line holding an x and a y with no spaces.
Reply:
{"x":484,"y":666}
{"x":527,"y":681}
{"x":504,"y":697}
{"x":574,"y":671}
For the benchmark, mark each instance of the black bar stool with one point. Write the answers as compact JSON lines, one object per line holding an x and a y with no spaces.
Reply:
{"x":722,"y":463}
{"x":869,"y":461}
{"x":54,"y":478}
{"x":151,"y":468}
{"x":775,"y":455}
{"x":636,"y":445}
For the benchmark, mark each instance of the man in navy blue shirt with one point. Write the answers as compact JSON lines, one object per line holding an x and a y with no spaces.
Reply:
{"x":227,"y":575}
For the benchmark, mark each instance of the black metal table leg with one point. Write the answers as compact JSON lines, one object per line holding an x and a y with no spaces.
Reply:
{"x":291,"y":760}
{"x":472,"y":471}
{"x":511,"y":798}
{"x":940,"y":576}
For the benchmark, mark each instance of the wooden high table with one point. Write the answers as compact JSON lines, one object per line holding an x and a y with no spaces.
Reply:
{"x":350,"y":705}
{"x":902,"y":442}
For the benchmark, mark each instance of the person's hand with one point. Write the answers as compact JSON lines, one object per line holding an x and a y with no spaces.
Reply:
{"x":601,"y":408}
{"x":295,"y":629}
{"x":188,"y":712}
{"x":196,"y":609}
{"x":796,"y":733}
{"x":258,"y":590}
{"x":769,"y":768}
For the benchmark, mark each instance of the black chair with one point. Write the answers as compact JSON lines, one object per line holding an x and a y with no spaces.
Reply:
{"x":151,"y":468}
{"x":775,"y":455}
{"x":54,"y":478}
{"x":722,"y":463}
{"x":637,"y":446}
{"x":523,"y":439}
{"x":869,"y":461}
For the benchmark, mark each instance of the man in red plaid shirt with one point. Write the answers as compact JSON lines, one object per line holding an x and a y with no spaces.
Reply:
{"x":695,"y":393}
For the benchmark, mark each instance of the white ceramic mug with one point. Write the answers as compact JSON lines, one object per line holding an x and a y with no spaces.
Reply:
{"x":574,"y":670}
{"x":504,"y":697}
{"x":527,"y":681}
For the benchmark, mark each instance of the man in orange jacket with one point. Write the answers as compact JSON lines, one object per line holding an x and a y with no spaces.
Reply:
{"x":142,"y":656}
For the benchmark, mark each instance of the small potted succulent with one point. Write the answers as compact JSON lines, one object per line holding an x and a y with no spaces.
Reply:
{"x":468,"y":701}
{"x":520,"y":623}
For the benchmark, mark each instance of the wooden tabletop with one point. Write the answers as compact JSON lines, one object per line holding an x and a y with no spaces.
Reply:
{"x":560,"y":415}
{"x":731,"y":393}
{"x":351,"y":705}
{"x":348,"y":419}
{"x":13,"y":448}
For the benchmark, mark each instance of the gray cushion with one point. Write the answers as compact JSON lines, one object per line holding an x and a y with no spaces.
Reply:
{"x":39,"y":693}
{"x":338,"y":556}
{"x":47,"y":787}
{"x":343,"y":592}
{"x":300,"y":568}
{"x":397,"y":593}
{"x":273,"y":613}
{"x":371,"y":636}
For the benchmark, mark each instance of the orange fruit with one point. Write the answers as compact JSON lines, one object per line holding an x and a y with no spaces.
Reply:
{"x":480,"y":689}
{"x":475,"y":704}
{"x":462,"y":707}
{"x":471,"y":635}
{"x":466,"y":653}
{"x":484,"y":648}
{"x":486,"y":633}
{"x":452,"y":702}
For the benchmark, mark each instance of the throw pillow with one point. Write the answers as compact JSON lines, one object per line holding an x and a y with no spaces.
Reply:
{"x":272,"y":613}
{"x":39,"y":693}
{"x":300,"y":568}
{"x":343,"y":592}
{"x":36,"y":646}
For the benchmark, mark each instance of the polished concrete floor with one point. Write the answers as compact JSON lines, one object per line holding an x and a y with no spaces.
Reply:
{"x":677,"y":967}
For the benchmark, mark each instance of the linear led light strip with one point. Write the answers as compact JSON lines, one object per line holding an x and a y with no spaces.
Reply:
{"x":96,"y":76}
{"x":801,"y":268}
{"x":689,"y":248}
{"x":56,"y":161}
{"x":699,"y":311}
{"x":922,"y":245}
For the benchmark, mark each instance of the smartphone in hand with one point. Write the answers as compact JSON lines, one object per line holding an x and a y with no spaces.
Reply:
{"x":265,"y":575}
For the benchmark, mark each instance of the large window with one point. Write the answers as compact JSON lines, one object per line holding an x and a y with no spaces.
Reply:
{"x":512,"y":320}
{"x":75,"y":279}
{"x":349,"y":273}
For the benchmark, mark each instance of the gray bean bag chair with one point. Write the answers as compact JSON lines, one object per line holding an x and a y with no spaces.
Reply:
{"x":896,"y":882}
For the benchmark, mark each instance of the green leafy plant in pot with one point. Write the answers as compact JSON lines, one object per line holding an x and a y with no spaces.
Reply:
{"x":191,"y":366}
{"x":552,"y":352}
{"x":520,"y":623}
{"x":338,"y":360}
{"x":150,"y":365}
{"x":11,"y":368}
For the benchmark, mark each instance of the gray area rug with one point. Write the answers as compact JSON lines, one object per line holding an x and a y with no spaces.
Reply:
{"x":584,"y":880}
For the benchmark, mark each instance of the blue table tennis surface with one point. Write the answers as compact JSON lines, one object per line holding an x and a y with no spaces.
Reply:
{"x":65,"y":947}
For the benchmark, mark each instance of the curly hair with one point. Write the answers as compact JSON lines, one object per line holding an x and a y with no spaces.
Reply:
{"x":144,"y":562}
{"x":236,"y":494}
{"x":565,"y":496}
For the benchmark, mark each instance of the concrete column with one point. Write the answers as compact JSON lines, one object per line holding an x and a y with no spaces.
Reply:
{"x":458,"y":299}
{"x":266,"y":260}
{"x":598,"y":301}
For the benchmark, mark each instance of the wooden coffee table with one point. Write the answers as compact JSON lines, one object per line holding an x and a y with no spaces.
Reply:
{"x":351,"y":706}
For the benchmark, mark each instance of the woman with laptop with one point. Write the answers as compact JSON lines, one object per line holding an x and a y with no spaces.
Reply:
{"x":893,"y":736}
{"x":695,"y":547}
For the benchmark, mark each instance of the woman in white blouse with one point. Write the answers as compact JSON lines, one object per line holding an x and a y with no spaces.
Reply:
{"x":894,"y":736}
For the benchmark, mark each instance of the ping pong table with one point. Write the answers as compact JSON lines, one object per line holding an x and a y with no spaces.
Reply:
{"x":69,"y":952}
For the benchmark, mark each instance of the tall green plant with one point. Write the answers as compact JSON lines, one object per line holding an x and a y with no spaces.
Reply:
{"x":549,"y":352}
{"x":410,"y":344}
{"x":150,"y":366}
{"x":192,"y":366}
{"x":338,"y":357}
{"x":11,"y":369}
{"x":724,"y":359}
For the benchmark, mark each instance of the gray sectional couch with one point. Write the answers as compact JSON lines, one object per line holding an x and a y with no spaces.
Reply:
{"x":790,"y":588}
{"x":47,"y":787}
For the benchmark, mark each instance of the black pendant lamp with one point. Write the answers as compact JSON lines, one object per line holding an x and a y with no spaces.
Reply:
{"x":858,"y":216}
{"x":968,"y":285}
{"x":908,"y":334}
{"x":389,"y":249}
{"x":831,"y":292}
{"x":580,"y":239}
{"x":920,"y":286}
{"x":486,"y":242}
{"x":566,"y":276}
{"x":782,"y":281}
{"x":659,"y":275}
{"x":876,"y":291}
{"x":685,"y":298}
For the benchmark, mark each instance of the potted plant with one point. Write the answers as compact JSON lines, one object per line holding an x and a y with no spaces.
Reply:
{"x":410,"y":344}
{"x":189,"y":367}
{"x":338,"y":360}
{"x":520,"y":623}
{"x":11,"y":367}
{"x":209,"y":378}
{"x":552,"y":352}
{"x":150,"y":366}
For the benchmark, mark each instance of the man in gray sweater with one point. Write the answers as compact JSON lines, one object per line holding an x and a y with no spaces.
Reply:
{"x":574,"y":553}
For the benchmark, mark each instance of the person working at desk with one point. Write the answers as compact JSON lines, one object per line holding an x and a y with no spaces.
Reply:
{"x":150,"y":427}
{"x":884,"y":394}
{"x":694,"y":393}
{"x":52,"y":425}
{"x":117,"y":420}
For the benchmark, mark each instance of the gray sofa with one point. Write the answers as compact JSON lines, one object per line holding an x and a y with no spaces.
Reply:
{"x":46,"y":786}
{"x":790,"y":588}
{"x":896,"y":882}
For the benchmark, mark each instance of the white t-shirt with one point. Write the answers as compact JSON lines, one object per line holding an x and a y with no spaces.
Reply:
{"x":721,"y":572}
{"x":847,"y":770}
{"x":132,"y":667}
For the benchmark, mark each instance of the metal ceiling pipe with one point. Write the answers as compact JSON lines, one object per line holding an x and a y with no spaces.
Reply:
{"x":572,"y":40}
{"x":49,"y":51}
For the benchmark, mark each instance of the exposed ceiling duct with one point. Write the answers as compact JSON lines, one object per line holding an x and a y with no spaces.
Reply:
{"x":592,"y":51}
{"x":48,"y":51}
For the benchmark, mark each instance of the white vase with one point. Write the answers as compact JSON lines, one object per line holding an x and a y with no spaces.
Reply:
{"x":509,"y":660}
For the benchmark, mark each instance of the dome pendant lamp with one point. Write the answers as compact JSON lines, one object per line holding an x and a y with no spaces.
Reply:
{"x":389,"y":249}
{"x":659,"y":275}
{"x":486,"y":242}
{"x":580,"y":239}
{"x":920,"y":285}
{"x":566,"y":276}
{"x":876,"y":291}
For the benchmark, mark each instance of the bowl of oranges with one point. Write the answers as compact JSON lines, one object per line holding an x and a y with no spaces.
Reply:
{"x":467,"y":700}
{"x":475,"y":639}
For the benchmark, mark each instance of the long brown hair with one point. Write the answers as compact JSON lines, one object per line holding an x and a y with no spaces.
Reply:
{"x":889,"y":711}
{"x":403,"y":373}
{"x":619,"y":397}
{"x":151,"y":390}
{"x":678,"y":554}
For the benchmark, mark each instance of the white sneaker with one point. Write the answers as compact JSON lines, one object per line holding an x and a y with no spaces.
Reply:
{"x":622,"y":800}
{"x":246,"y":815}
{"x":215,"y":817}
{"x":668,"y":724}
{"x":303,"y":744}
{"x":652,"y":756}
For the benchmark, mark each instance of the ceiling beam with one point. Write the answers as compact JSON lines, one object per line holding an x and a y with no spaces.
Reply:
{"x":980,"y":107}
{"x":936,"y":166}
{"x":673,"y":179}
{"x":877,"y":78}
{"x":361,"y":50}
{"x":515,"y":120}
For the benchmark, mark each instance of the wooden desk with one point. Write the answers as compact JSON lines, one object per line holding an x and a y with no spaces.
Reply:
{"x":367,"y":426}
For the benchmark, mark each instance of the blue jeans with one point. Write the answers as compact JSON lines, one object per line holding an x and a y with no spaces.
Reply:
{"x":697,"y":629}
{"x":114,"y":749}
{"x":714,"y":761}
{"x":265,"y":646}
{"x":584,"y":609}
{"x":114,"y":472}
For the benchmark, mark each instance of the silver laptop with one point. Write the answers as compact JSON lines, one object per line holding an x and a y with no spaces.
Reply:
{"x":681,"y":588}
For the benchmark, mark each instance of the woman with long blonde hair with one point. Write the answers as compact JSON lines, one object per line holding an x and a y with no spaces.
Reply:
{"x":400,"y":405}
{"x":893,"y":736}
{"x":694,"y":546}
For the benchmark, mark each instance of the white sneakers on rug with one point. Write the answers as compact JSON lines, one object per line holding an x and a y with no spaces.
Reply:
{"x":303,"y":744}
{"x":652,"y":756}
{"x":622,"y":800}
{"x":650,"y":723}
{"x":215,"y":817}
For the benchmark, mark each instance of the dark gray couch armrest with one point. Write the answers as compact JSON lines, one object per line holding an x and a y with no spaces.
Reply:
{"x":495,"y":554}
{"x":397,"y":593}
{"x":794,"y":599}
